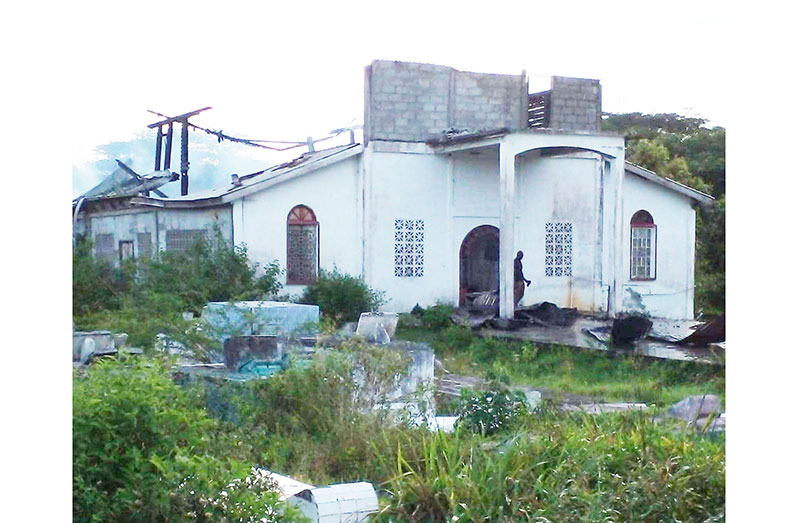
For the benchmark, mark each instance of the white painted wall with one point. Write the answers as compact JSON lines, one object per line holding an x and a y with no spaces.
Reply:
{"x":259,"y":220}
{"x":411,"y":186}
{"x":671,"y":294}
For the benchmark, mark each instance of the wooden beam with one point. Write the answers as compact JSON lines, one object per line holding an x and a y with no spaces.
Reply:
{"x":181,"y":117}
{"x":158,"y":144}
{"x":138,"y":178}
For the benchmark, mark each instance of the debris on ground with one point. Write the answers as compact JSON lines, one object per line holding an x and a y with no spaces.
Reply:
{"x":547,"y":313}
{"x":453,"y":384}
{"x":603,"y":334}
{"x":602,"y":408}
{"x":482,"y":300}
{"x":630,"y":328}
{"x":693,"y":408}
{"x":701,"y":413}
{"x":712,"y":332}
{"x":672,"y":331}
{"x":471,"y":317}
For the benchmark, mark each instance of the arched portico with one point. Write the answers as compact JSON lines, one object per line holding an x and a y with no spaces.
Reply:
{"x":513,"y":145}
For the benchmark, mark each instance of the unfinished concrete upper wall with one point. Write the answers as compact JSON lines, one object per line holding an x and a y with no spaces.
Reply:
{"x":416,"y":102}
{"x":575,"y":104}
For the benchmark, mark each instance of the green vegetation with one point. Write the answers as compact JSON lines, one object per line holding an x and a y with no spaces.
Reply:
{"x":342,"y":297}
{"x":136,"y":435}
{"x":148,"y":296}
{"x":143,"y":452}
{"x":685,"y":150}
{"x":569,"y":371}
{"x":563,"y":468}
{"x":492,"y":411}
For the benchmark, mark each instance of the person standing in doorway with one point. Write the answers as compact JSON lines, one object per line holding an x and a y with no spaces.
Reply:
{"x":518,"y":278}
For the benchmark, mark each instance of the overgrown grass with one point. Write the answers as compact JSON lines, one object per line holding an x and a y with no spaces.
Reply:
{"x":566,"y":370}
{"x":618,"y":467}
{"x":316,"y":422}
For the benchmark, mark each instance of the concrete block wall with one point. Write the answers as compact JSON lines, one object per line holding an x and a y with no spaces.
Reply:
{"x":575,"y":104}
{"x":416,"y":102}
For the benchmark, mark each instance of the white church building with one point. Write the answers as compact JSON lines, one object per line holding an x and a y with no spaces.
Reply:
{"x":456,"y":172}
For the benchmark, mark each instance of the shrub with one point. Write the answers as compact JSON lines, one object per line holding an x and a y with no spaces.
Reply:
{"x":142,"y":452}
{"x":95,"y":284}
{"x":454,"y":337}
{"x":209,"y":270}
{"x":437,"y":317}
{"x":491,"y":411}
{"x":342,"y":297}
{"x":148,"y":296}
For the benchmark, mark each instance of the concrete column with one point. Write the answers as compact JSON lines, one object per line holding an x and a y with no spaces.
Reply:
{"x":454,"y":248}
{"x":618,"y":275}
{"x":366,"y":163}
{"x":506,"y":229}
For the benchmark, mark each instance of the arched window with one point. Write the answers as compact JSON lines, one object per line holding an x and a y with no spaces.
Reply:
{"x":302,"y":258}
{"x":644,"y":247}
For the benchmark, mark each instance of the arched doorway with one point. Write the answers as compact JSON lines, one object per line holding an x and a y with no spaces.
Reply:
{"x":479,"y":261}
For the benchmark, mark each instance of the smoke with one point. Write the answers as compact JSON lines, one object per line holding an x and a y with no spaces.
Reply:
{"x":210,"y":163}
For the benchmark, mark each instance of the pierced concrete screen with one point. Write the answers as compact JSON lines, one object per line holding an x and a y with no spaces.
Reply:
{"x":144,"y":240}
{"x":104,"y":246}
{"x":182,"y":239}
{"x":559,"y":246}
{"x":408,"y":248}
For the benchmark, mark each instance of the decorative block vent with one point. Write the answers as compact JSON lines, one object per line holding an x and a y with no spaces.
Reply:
{"x":408,"y":248}
{"x":559,"y":249}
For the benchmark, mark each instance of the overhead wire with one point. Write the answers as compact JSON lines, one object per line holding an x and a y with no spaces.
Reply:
{"x":255,"y":143}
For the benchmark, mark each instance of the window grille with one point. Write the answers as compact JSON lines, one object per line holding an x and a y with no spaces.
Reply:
{"x":144,"y":240}
{"x":182,"y":239}
{"x":104,"y":246}
{"x":559,"y":249}
{"x":408,"y":248}
{"x":302,"y":248}
{"x":643,"y":247}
